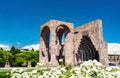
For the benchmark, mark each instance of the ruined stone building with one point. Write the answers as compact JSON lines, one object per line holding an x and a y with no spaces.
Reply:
{"x":80,"y":44}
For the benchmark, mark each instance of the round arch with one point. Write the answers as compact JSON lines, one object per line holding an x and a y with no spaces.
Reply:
{"x":46,"y":37}
{"x":86,"y":50}
{"x":61,"y":32}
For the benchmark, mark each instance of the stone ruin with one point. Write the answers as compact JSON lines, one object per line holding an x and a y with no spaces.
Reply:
{"x":59,"y":40}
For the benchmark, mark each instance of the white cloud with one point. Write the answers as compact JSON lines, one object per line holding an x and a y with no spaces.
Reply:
{"x":113,"y":48}
{"x":5,"y":47}
{"x":35,"y":46}
{"x":18,"y":43}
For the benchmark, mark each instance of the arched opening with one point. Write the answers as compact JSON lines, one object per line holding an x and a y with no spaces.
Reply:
{"x":46,"y":36}
{"x":63,"y":39}
{"x":62,"y":32}
{"x":86,"y":51}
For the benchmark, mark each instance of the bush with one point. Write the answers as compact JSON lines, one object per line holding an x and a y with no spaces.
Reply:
{"x":5,"y":73}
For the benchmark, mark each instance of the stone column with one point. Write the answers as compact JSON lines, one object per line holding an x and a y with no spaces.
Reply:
{"x":69,"y":50}
{"x":77,"y":40}
{"x":43,"y":53}
{"x":54,"y":47}
{"x":104,"y":53}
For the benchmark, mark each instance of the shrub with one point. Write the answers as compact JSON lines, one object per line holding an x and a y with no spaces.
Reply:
{"x":5,"y":73}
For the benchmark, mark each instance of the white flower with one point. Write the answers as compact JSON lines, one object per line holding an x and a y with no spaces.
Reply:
{"x":49,"y":63}
{"x":39,"y":64}
{"x":60,"y":60}
{"x":97,"y":63}
{"x":63,"y":69}
{"x":34,"y":71}
{"x":85,"y":70}
{"x":109,"y":68}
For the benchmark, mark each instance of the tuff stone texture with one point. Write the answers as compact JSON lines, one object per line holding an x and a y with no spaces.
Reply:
{"x":80,"y":44}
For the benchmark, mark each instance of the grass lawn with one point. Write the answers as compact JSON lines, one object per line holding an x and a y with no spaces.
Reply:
{"x":5,"y":73}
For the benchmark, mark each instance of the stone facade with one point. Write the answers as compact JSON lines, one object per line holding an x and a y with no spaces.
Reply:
{"x":80,"y":44}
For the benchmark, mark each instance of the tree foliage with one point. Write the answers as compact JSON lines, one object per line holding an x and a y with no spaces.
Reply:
{"x":27,"y":56}
{"x":18,"y":58}
{"x":5,"y":55}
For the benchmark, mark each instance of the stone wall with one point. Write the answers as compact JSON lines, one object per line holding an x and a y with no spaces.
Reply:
{"x":94,"y":32}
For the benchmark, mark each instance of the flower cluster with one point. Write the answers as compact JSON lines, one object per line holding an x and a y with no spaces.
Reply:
{"x":39,"y":64}
{"x":88,"y":69}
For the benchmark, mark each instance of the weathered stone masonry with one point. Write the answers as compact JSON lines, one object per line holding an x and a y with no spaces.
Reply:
{"x":80,"y":44}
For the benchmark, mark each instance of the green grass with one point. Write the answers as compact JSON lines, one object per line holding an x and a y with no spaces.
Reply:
{"x":5,"y":74}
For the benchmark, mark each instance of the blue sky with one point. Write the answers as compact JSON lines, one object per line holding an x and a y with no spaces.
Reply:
{"x":20,"y":20}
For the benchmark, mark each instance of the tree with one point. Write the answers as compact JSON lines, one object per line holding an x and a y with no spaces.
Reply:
{"x":2,"y":61}
{"x":14,"y":51}
{"x":35,"y":57}
{"x":27,"y":56}
{"x":21,"y":59}
{"x":1,"y":48}
{"x":32,"y":49}
{"x":7,"y":55}
{"x":4,"y":55}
